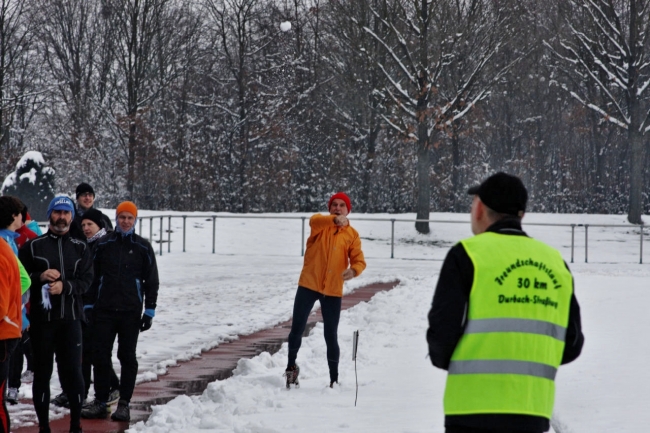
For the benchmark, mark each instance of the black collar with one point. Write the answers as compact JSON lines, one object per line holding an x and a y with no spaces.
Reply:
{"x":507,"y":226}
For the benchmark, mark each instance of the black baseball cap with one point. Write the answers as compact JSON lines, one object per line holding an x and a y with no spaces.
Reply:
{"x":503,"y":193}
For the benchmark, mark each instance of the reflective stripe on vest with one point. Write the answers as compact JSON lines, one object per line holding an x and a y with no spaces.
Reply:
{"x":516,"y":325}
{"x":507,"y":359}
{"x":503,"y":367}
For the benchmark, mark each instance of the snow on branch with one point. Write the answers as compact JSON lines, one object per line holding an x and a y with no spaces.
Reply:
{"x":398,"y":86}
{"x":596,"y":80}
{"x":642,"y":87}
{"x":403,"y":131}
{"x":401,"y":105}
{"x":410,"y":75}
{"x":587,"y":45}
{"x":620,"y":44}
{"x":599,"y":110}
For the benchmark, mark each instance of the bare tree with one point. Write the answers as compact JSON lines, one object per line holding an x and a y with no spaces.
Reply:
{"x":15,"y":40}
{"x":357,"y":103}
{"x":440,"y":64}
{"x":608,"y":47}
{"x":138,"y":37}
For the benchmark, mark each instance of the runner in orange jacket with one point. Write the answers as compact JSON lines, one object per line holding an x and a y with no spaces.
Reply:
{"x":10,"y":325}
{"x":333,"y":256}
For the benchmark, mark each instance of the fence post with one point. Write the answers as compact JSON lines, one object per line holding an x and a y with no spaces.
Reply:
{"x":586,"y":242}
{"x":151,"y":230}
{"x":214,"y":232}
{"x":169,"y":234}
{"x":392,"y":238}
{"x":573,"y":233}
{"x":161,"y":234}
{"x":184,"y":220}
{"x":302,"y":243}
{"x":641,"y":245}
{"x":140,"y":224}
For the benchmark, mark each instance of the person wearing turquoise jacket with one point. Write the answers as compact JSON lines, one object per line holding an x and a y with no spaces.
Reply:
{"x":504,"y":318}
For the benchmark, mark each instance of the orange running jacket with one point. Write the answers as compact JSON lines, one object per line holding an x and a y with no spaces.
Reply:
{"x":330,"y":251}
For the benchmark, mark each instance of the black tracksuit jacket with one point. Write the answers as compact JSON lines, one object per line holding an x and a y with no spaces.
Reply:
{"x":447,"y":320}
{"x":126,"y":274}
{"x":73,"y":259}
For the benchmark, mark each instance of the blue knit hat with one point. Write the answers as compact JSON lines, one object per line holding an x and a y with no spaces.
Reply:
{"x":60,"y":203}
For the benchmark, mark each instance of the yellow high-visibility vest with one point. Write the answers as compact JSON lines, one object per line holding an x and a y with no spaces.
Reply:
{"x":507,"y":358}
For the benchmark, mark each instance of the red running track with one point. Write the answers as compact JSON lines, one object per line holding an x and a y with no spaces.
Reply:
{"x":192,"y":377}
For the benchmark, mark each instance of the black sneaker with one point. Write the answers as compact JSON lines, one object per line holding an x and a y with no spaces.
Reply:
{"x":123,"y":413}
{"x":96,"y":410}
{"x":61,"y":400}
{"x":334,"y":378}
{"x":291,"y":373}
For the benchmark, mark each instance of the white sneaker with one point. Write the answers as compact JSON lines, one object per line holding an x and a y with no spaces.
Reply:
{"x":12,"y":395}
{"x":27,"y":376}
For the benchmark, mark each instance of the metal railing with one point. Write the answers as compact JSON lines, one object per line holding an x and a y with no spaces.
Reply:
{"x":214,"y":218}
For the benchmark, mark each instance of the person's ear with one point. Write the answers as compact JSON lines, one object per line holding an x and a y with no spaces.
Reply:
{"x":480,"y":210}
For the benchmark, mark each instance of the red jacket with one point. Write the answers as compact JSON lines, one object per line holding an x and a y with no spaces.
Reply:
{"x":10,"y":294}
{"x":330,"y":250}
{"x":25,"y":235}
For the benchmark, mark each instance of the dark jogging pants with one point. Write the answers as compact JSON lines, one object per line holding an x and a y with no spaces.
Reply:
{"x":6,"y":349}
{"x":331,"y":311}
{"x":24,"y":348}
{"x":87,"y":360}
{"x":125,"y":325}
{"x":63,"y":338}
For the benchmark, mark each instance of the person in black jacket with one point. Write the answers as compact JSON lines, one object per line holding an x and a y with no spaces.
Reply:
{"x":126,"y":281}
{"x":61,"y":271}
{"x":91,"y":225}
{"x":498,"y":207}
{"x":85,"y":201}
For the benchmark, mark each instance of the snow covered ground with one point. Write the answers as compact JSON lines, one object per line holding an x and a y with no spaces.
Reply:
{"x":249,"y":284}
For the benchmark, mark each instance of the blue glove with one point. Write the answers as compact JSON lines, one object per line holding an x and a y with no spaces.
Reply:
{"x":25,"y":319}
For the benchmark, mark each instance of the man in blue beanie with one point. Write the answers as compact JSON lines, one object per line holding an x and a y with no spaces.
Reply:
{"x":61,"y":271}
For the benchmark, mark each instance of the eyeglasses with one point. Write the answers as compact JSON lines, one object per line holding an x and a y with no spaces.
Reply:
{"x":86,"y":194}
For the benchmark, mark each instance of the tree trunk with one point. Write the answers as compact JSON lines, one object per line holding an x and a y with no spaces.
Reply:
{"x":424,"y":187}
{"x":130,"y":179}
{"x":455,"y":170}
{"x":368,"y":169}
{"x":637,"y":155}
{"x":635,"y":134}
{"x":423,"y":119}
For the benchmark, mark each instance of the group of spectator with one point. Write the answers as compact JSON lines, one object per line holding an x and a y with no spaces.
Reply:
{"x":66,"y":295}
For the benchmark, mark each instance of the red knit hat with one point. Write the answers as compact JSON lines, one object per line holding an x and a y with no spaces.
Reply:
{"x":127,"y":206}
{"x":341,"y":196}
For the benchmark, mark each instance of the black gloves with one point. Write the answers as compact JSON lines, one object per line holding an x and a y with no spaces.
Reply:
{"x":146,"y":322}
{"x":88,"y":313}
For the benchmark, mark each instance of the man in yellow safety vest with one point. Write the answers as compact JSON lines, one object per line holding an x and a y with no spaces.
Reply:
{"x":504,"y":318}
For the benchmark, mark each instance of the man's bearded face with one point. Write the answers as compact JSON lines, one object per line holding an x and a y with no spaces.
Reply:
{"x":60,"y":221}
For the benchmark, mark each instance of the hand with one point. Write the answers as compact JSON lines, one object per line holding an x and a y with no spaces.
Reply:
{"x":146,"y":322}
{"x":348,"y":274}
{"x":341,"y":221}
{"x":56,"y":288}
{"x":50,"y":275}
{"x":88,"y":312}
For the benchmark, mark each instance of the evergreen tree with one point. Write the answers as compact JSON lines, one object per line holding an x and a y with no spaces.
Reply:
{"x":33,"y":183}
